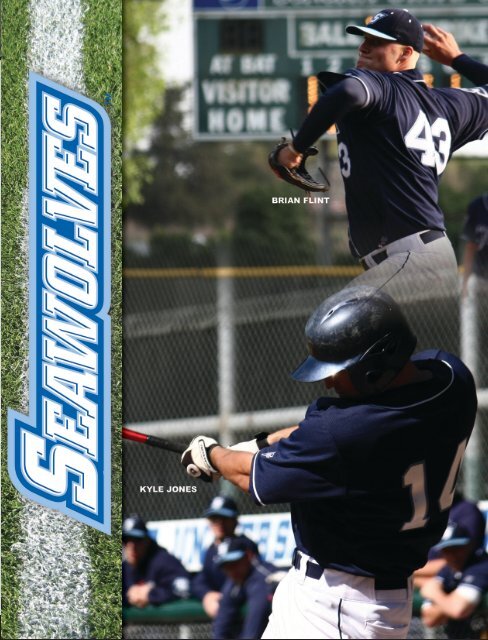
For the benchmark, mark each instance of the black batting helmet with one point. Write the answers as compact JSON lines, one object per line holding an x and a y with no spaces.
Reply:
{"x":360,"y":329}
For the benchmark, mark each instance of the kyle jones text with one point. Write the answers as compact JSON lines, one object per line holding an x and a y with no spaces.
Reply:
{"x":171,"y":489}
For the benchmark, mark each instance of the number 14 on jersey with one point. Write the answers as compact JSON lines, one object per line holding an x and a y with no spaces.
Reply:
{"x":415,"y":479}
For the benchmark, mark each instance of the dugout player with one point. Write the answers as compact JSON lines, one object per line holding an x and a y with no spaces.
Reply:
{"x":370,"y":474}
{"x":475,"y":288}
{"x":208,"y":583}
{"x":466,"y":513}
{"x":453,"y":596}
{"x":395,"y":136}
{"x":150,"y":575}
{"x":249,"y":583}
{"x":475,"y":233}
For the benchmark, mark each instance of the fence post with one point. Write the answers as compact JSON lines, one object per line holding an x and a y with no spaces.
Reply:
{"x":470,"y":346}
{"x":225,"y":345}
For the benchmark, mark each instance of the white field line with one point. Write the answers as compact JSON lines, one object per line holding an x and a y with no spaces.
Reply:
{"x":54,"y":583}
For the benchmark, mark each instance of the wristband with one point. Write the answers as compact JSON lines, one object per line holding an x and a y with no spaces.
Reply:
{"x":262,"y":439}
{"x":209,"y":451}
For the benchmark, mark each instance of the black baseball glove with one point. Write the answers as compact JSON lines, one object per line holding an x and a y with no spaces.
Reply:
{"x":297,"y":176}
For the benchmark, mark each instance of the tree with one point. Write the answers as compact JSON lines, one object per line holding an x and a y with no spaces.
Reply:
{"x":204,"y":198}
{"x":143,"y":90}
{"x":270,"y":234}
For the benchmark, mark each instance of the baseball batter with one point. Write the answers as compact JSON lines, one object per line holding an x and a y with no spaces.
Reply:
{"x":370,"y":474}
{"x":395,"y":136}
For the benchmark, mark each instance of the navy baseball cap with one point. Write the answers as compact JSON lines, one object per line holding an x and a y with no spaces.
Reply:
{"x":467,"y":514}
{"x":134,"y":527}
{"x":231,"y":550}
{"x":455,"y":535}
{"x":222,"y":506}
{"x":397,"y":25}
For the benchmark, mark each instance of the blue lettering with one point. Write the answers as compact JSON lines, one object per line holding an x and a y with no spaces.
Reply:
{"x":59,"y":455}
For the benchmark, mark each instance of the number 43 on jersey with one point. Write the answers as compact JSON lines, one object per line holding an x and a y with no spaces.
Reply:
{"x":434,"y":140}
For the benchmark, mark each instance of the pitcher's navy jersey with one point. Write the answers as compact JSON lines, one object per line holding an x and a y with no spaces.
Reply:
{"x":476,"y":230}
{"x":371,"y":482}
{"x":393,"y":150}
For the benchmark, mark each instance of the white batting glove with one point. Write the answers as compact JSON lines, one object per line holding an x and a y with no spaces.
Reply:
{"x":260,"y":441}
{"x":196,"y":459}
{"x":251,"y":446}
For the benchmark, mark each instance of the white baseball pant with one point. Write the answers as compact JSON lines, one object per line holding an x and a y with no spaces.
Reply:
{"x":337,"y":605}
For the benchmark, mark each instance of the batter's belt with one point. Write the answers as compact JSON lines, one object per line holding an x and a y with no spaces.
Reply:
{"x":315,"y":571}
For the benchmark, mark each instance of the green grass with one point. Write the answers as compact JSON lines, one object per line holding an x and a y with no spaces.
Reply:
{"x":103,"y":75}
{"x":14,"y":313}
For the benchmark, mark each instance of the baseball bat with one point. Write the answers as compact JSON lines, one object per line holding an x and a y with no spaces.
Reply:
{"x":152,"y":441}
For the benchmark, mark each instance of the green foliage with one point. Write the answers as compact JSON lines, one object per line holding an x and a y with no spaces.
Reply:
{"x":179,"y":249}
{"x":190,"y":183}
{"x":218,"y":190}
{"x":270,"y":234}
{"x":144,"y":20}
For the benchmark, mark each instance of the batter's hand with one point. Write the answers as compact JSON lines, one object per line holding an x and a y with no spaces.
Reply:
{"x":196,"y":459}
{"x":440,"y":45}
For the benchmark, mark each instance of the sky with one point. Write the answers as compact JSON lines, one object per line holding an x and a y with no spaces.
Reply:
{"x":176,"y":44}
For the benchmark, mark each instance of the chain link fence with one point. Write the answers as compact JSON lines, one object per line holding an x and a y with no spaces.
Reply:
{"x":209,"y":350}
{"x":212,"y":352}
{"x":202,"y":631}
{"x":477,"y":628}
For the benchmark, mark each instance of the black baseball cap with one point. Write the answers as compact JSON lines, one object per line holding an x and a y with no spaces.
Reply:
{"x":231,"y":550}
{"x":397,"y":25}
{"x":134,"y":527}
{"x":222,"y":506}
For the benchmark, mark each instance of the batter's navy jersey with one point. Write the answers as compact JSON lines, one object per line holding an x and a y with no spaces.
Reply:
{"x":393,"y":150}
{"x":476,"y":230}
{"x":371,"y":482}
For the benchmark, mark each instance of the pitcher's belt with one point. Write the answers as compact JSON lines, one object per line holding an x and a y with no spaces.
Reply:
{"x":408,"y":243}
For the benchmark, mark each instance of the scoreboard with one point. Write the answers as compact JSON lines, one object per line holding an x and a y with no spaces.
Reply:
{"x":256,"y":60}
